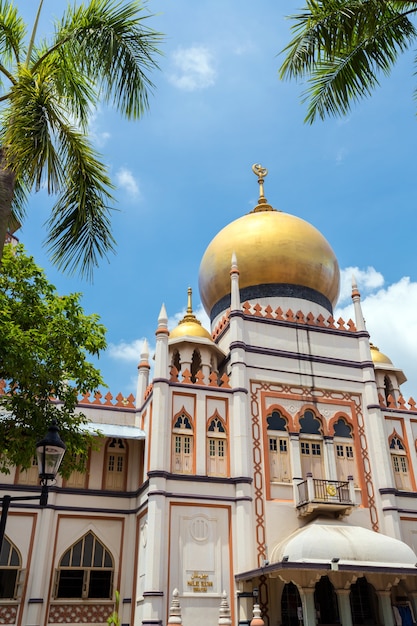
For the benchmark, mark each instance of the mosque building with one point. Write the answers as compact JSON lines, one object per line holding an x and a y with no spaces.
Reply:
{"x":270,"y":461}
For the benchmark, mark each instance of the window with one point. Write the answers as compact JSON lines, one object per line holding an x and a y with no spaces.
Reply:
{"x":344,"y":450}
{"x":10,"y":570}
{"x":363,"y":603}
{"x":29,"y":476}
{"x":116,"y":464}
{"x":399,"y":463}
{"x":182,"y":445}
{"x":85,"y":570}
{"x":216,"y":448}
{"x":76,"y":479}
{"x":278,"y":445}
{"x":195,"y":365}
{"x":311,"y":445}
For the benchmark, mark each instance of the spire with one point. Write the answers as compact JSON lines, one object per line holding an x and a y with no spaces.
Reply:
{"x":143,"y":374}
{"x":356,"y":297}
{"x":189,"y":316}
{"x":161,"y":352}
{"x":234,"y":288}
{"x":261,"y":173}
{"x":162,"y":320}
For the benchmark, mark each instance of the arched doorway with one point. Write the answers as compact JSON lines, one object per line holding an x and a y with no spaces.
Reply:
{"x":291,"y":610}
{"x":325,"y":600}
{"x":363,"y":603}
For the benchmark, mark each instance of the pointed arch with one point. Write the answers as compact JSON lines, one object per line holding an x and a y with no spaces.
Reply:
{"x":176,"y":360}
{"x":115,"y":468}
{"x":10,"y":570}
{"x":400,"y":462}
{"x":325,"y":600}
{"x":364,"y":603}
{"x":311,"y":429}
{"x":388,"y":388}
{"x":196,"y":364}
{"x":278,"y":446}
{"x":85,"y":570}
{"x":182,"y":460}
{"x":217,"y":446}
{"x":344,"y":448}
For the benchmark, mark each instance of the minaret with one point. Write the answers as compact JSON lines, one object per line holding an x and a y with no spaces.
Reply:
{"x":161,"y":353}
{"x":143,"y":374}
{"x":356,"y":297}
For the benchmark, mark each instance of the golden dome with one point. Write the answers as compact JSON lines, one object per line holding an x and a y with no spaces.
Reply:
{"x":189,"y":326}
{"x":379,"y":357}
{"x":277,"y":254}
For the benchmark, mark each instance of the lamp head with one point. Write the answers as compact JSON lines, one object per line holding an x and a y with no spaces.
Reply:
{"x":50,"y":452}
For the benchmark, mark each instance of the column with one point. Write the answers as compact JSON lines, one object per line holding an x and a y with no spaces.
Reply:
{"x":309,"y":608}
{"x":385,"y":607}
{"x":343,"y":600}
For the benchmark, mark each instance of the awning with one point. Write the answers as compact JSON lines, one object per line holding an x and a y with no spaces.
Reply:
{"x":329,"y":544}
{"x":115,"y":430}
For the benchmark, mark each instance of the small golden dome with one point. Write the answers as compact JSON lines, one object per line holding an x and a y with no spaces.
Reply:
{"x":277,"y":254}
{"x":379,"y":357}
{"x":190,"y":326}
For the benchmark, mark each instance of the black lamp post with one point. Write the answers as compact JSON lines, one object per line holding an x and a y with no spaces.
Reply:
{"x":50,"y":452}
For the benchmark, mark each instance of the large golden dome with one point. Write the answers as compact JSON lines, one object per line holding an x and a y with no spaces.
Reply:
{"x":278,"y":254}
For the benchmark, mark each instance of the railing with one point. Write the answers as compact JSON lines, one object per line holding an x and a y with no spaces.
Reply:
{"x":318,"y":490}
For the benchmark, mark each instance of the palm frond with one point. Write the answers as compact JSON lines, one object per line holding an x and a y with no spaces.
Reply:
{"x":12,"y":34}
{"x":79,"y":228}
{"x":343,"y":45}
{"x":111,"y":42}
{"x":29,"y":130}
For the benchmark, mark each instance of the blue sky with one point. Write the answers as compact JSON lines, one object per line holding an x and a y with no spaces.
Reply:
{"x":184,"y":171}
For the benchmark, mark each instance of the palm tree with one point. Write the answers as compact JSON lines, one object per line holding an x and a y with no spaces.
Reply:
{"x":342,"y":46}
{"x":99,"y":52}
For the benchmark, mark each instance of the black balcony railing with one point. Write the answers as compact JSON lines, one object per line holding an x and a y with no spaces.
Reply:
{"x":322,"y":491}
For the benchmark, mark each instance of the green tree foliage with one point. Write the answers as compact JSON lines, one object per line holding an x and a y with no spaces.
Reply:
{"x":341,"y":46}
{"x":102,"y":50}
{"x":45,"y":340}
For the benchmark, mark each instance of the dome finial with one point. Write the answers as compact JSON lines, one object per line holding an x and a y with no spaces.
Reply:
{"x":261,"y":173}
{"x":190,"y":301}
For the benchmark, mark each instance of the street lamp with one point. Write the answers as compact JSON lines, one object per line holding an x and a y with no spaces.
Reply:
{"x":50,"y":452}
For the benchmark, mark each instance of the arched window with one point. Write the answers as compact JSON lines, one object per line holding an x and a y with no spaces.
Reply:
{"x":388,"y":388}
{"x":10,"y":570}
{"x":291,"y":607}
{"x":399,"y":462}
{"x":344,"y":450}
{"x":325,"y":601}
{"x":176,"y":361}
{"x":195,"y":365}
{"x":182,"y":445}
{"x":85,"y":570}
{"x":278,"y":448}
{"x":363,"y":603}
{"x":311,"y":445}
{"x":216,"y":448}
{"x":116,"y":465}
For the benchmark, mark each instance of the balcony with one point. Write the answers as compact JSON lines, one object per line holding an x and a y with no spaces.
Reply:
{"x":316,"y":495}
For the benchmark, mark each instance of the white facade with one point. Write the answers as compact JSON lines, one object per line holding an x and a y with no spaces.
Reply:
{"x":273,"y":459}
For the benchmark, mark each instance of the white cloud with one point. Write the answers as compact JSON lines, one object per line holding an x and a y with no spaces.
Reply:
{"x":127,"y":352}
{"x":391,"y":320}
{"x":367,"y":281}
{"x":126,"y":180}
{"x":193,"y":68}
